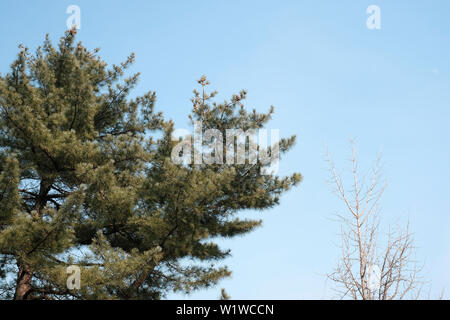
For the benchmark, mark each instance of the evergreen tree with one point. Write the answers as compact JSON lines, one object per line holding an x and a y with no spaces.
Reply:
{"x":86,"y":179}
{"x":224,"y":295}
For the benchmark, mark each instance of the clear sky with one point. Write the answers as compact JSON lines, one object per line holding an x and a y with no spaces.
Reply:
{"x":329,"y":78}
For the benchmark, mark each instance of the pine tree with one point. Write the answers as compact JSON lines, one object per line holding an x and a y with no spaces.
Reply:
{"x":86,"y":179}
{"x":224,"y":295}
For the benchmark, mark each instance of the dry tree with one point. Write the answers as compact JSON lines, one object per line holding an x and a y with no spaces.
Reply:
{"x":372,"y":265}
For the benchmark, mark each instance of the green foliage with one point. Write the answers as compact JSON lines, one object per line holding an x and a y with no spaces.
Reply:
{"x":86,"y":179}
{"x":224,"y":295}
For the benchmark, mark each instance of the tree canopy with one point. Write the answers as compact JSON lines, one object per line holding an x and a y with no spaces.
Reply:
{"x":86,"y":179}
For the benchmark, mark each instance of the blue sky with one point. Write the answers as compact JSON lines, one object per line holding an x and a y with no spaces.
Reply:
{"x":329,"y":78}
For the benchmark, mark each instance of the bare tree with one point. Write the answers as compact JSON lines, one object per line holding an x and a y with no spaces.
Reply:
{"x":373,"y":265}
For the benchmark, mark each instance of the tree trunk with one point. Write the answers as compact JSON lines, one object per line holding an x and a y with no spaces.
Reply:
{"x":25,"y":274}
{"x":23,"y":286}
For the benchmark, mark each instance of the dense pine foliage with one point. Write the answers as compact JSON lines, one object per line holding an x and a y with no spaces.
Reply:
{"x":86,"y":179}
